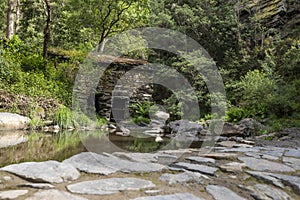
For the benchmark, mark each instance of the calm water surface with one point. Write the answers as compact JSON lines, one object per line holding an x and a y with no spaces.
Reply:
{"x":18,"y":146}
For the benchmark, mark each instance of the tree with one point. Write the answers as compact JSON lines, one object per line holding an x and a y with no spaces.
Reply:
{"x":47,"y":28}
{"x":10,"y":19}
{"x":102,"y":18}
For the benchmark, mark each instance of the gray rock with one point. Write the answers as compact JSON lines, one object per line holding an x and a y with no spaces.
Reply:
{"x":179,"y":196}
{"x":11,"y":121}
{"x":273,"y":151}
{"x":249,"y":127}
{"x":91,"y":163}
{"x":160,"y":115}
{"x":226,"y":143}
{"x":37,"y":185}
{"x":197,"y":168}
{"x":292,"y":181}
{"x":279,"y":179}
{"x":201,"y":160}
{"x":234,"y":167}
{"x":222,"y":193}
{"x":265,"y":165}
{"x":266,"y":177}
{"x":230,"y":130}
{"x":182,"y":178}
{"x":109,"y":186}
{"x":54,"y":195}
{"x":185,"y":126}
{"x":152,"y":192}
{"x":221,"y":156}
{"x":49,"y":171}
{"x":293,"y":153}
{"x":266,"y":192}
{"x":261,"y":155}
{"x":107,"y":164}
{"x":240,"y":149}
{"x":12,"y":194}
{"x":293,"y":162}
{"x":137,"y":157}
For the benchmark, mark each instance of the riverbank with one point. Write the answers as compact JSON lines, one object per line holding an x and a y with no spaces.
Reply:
{"x":234,"y":169}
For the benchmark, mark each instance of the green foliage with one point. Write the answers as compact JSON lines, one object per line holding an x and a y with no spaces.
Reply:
{"x":256,"y":89}
{"x":36,"y":123}
{"x":63,"y":117}
{"x":140,"y":112}
{"x":235,"y":114}
{"x":173,"y":107}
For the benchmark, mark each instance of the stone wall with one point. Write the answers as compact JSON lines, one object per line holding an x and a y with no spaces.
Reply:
{"x":118,"y":81}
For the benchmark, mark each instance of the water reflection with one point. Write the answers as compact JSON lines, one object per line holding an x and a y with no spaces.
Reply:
{"x":18,"y":147}
{"x":12,"y":138}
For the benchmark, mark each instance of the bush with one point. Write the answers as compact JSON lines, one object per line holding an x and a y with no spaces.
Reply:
{"x":256,"y":89}
{"x":63,"y":117}
{"x":140,"y":112}
{"x":235,"y":114}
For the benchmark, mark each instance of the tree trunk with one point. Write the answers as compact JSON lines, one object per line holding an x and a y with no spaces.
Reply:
{"x":18,"y":15}
{"x":10,"y":20}
{"x":102,"y":45}
{"x":47,"y":29}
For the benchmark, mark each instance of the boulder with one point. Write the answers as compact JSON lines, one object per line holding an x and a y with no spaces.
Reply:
{"x":249,"y":127}
{"x":185,"y":126}
{"x":11,"y":121}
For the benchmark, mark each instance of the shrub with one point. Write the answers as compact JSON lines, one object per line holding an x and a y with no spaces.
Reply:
{"x":235,"y":114}
{"x":256,"y":89}
{"x":63,"y":117}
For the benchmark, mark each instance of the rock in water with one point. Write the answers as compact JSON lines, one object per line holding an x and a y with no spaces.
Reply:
{"x":11,"y":121}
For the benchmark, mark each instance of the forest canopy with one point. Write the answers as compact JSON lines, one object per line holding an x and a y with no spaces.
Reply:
{"x":255,"y":45}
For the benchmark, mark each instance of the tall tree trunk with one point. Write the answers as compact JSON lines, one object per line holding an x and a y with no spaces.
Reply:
{"x":18,"y":15}
{"x":10,"y":20}
{"x":47,"y":28}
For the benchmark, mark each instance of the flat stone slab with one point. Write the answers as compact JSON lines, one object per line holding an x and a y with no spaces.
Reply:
{"x":107,"y":164}
{"x":12,"y":194}
{"x":91,"y":163}
{"x":262,"y":155}
{"x":49,"y":171}
{"x":179,"y":196}
{"x":223,"y":156}
{"x":222,"y":193}
{"x":38,"y":185}
{"x":109,"y":186}
{"x":265,"y":165}
{"x":293,"y":153}
{"x":182,"y":178}
{"x":201,"y":160}
{"x":54,"y":195}
{"x":278,"y":179}
{"x":262,"y":191}
{"x":292,"y":162}
{"x":196,"y":168}
{"x":234,"y":167}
